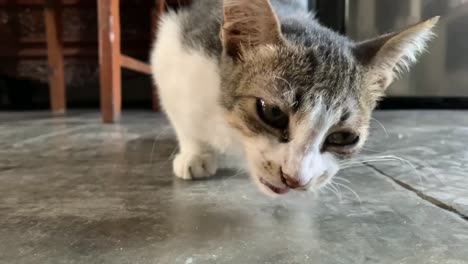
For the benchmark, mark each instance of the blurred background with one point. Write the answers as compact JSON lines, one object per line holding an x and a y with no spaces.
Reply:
{"x":23,"y":53}
{"x":439,"y":80}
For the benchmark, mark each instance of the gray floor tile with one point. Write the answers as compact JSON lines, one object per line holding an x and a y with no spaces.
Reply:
{"x":105,"y":194}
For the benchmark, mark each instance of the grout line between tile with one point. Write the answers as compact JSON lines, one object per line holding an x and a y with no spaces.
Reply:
{"x":420,"y":194}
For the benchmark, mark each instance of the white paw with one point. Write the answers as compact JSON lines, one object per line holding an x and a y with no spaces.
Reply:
{"x":189,"y":166}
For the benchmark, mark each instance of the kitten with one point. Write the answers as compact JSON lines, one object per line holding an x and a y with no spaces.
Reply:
{"x":265,"y":79}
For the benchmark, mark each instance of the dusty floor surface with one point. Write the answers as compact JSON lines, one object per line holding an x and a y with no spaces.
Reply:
{"x":75,"y":191}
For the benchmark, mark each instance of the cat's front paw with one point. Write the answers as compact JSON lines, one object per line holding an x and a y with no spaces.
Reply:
{"x":189,"y":166}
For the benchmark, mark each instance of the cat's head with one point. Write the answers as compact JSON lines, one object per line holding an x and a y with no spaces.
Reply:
{"x":303,"y":102}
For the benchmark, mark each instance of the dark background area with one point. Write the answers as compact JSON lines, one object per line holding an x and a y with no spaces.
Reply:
{"x":23,"y":62}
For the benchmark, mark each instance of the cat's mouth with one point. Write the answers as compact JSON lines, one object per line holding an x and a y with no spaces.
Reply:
{"x":273,"y":188}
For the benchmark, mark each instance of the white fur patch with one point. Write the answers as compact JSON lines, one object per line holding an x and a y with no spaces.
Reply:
{"x":189,"y":86}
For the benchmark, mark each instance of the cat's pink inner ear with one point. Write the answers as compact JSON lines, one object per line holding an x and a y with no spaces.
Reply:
{"x":395,"y":52}
{"x":248,"y":24}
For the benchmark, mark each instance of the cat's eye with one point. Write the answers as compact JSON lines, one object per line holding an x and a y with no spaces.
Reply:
{"x":342,"y":139}
{"x":272,"y":115}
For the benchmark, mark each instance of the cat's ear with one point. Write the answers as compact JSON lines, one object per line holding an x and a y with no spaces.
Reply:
{"x":248,"y":24}
{"x":391,"y":54}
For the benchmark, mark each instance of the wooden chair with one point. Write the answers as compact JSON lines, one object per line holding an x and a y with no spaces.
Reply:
{"x":54,"y":53}
{"x":111,"y":59}
{"x":52,"y":16}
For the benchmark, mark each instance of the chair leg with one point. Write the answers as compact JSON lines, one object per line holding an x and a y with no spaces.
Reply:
{"x":162,"y":6}
{"x":109,"y":59}
{"x":53,"y":24}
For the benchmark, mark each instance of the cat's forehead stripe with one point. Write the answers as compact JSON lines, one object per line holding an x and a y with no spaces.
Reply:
{"x":345,"y":115}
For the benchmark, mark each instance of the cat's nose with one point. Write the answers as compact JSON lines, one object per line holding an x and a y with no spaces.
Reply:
{"x":291,"y":181}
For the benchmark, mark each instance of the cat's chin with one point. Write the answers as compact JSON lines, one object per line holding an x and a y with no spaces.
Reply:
{"x":272,"y":189}
{"x":275,"y":190}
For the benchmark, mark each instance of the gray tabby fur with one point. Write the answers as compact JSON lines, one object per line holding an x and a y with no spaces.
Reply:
{"x":325,"y":58}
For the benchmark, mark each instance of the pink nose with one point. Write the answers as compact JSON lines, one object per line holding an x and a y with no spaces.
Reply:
{"x":291,"y":182}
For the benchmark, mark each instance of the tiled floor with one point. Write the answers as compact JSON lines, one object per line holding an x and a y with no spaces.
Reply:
{"x":75,"y":191}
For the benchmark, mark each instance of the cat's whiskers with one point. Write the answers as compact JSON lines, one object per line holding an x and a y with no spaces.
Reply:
{"x":424,"y":163}
{"x":381,"y":125}
{"x":238,"y":172}
{"x":334,"y":190}
{"x":372,"y":150}
{"x":288,"y":95}
{"x":286,"y":81}
{"x":342,"y":179}
{"x":152,"y":149}
{"x":155,"y":139}
{"x":170,"y":158}
{"x":418,"y":173}
{"x":349,"y":189}
{"x":362,"y":162}
{"x":388,"y":158}
{"x":413,"y":167}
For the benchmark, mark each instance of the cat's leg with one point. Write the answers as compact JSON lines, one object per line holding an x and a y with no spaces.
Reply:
{"x":188,"y":87}
{"x":195,"y":159}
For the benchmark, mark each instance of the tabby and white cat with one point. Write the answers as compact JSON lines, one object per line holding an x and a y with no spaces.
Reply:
{"x":265,"y":79}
